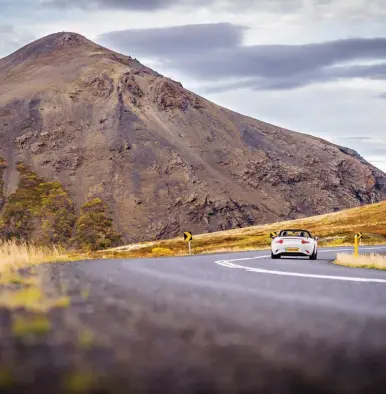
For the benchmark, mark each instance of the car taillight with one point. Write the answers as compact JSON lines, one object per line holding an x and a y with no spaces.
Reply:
{"x":305,"y":242}
{"x":279,"y":241}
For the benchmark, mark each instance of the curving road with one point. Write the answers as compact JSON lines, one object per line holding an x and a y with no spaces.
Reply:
{"x":225,"y":323}
{"x":289,"y":325}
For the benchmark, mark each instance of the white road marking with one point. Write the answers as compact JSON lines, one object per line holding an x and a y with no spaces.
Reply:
{"x":229,"y":264}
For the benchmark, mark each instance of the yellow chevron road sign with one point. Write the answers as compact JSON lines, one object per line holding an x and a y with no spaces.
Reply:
{"x":188,"y":236}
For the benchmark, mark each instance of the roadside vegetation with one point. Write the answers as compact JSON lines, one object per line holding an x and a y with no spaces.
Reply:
{"x":334,"y":229}
{"x":94,"y":229}
{"x":42,"y":213}
{"x":372,"y":261}
{"x":15,"y":255}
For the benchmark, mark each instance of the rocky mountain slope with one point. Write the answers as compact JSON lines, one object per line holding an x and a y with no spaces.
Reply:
{"x":164,"y":159}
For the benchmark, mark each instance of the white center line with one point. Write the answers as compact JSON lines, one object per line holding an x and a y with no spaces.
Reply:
{"x":229,"y":264}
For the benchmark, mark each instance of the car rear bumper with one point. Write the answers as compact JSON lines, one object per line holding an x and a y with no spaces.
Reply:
{"x":299,"y":253}
{"x":294,"y":254}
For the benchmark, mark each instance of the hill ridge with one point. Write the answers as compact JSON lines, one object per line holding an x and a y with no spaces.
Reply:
{"x":163,"y":158}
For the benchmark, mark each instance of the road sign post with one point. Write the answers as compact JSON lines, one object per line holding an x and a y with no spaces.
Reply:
{"x":188,"y":237}
{"x":358,"y":237}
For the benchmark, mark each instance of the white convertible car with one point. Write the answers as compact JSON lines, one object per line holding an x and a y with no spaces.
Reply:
{"x":294,"y":243}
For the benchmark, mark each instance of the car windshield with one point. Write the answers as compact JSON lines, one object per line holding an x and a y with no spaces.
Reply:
{"x":295,"y":233}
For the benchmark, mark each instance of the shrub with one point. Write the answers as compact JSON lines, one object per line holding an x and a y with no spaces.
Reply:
{"x":37,"y":211}
{"x":94,"y":229}
{"x":58,"y":217}
{"x":161,"y":252}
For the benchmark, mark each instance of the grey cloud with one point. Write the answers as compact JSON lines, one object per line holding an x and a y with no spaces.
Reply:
{"x":307,"y":77}
{"x":320,"y":74}
{"x":319,"y":8}
{"x":287,"y":60}
{"x":141,"y":5}
{"x":215,"y":52}
{"x":178,"y":41}
{"x":146,"y":5}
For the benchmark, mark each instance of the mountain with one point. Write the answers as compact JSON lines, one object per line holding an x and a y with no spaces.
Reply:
{"x":163,"y":159}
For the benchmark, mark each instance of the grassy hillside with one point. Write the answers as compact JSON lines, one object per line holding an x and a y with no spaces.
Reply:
{"x":333,"y":230}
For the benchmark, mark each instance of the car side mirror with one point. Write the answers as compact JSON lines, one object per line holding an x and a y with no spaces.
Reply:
{"x":316,"y":238}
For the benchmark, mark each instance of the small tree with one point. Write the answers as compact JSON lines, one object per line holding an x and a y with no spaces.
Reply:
{"x":94,"y":229}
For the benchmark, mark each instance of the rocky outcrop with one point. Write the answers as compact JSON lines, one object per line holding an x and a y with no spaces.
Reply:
{"x":168,"y":94}
{"x":162,"y":158}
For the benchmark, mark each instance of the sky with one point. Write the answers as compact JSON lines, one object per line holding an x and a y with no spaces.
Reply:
{"x":313,"y":66}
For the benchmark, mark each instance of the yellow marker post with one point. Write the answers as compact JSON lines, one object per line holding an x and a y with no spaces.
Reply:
{"x":358,"y":236}
{"x":356,"y":246}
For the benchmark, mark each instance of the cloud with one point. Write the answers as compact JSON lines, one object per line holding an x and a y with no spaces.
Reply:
{"x":176,"y":42}
{"x":216,"y":52}
{"x":383,"y":95}
{"x":10,"y":39}
{"x":146,"y":5}
{"x":320,"y":9}
{"x":93,"y":5}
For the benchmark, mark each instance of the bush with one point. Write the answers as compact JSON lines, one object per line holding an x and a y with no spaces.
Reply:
{"x":94,"y":229}
{"x":42,"y":212}
{"x":161,"y":252}
{"x":58,"y":217}
{"x":37,"y":211}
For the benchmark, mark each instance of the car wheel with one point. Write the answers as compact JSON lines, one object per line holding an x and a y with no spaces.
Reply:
{"x":275,"y":256}
{"x":314,"y":255}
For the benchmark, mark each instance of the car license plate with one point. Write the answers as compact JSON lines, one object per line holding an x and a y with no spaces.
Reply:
{"x":292,"y":250}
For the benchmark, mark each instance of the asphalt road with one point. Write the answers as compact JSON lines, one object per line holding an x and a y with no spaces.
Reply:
{"x":234,"y":322}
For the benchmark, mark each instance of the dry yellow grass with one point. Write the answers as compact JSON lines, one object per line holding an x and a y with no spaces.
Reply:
{"x":14,"y":255}
{"x":374,"y":261}
{"x":333,"y":229}
{"x":26,"y":291}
